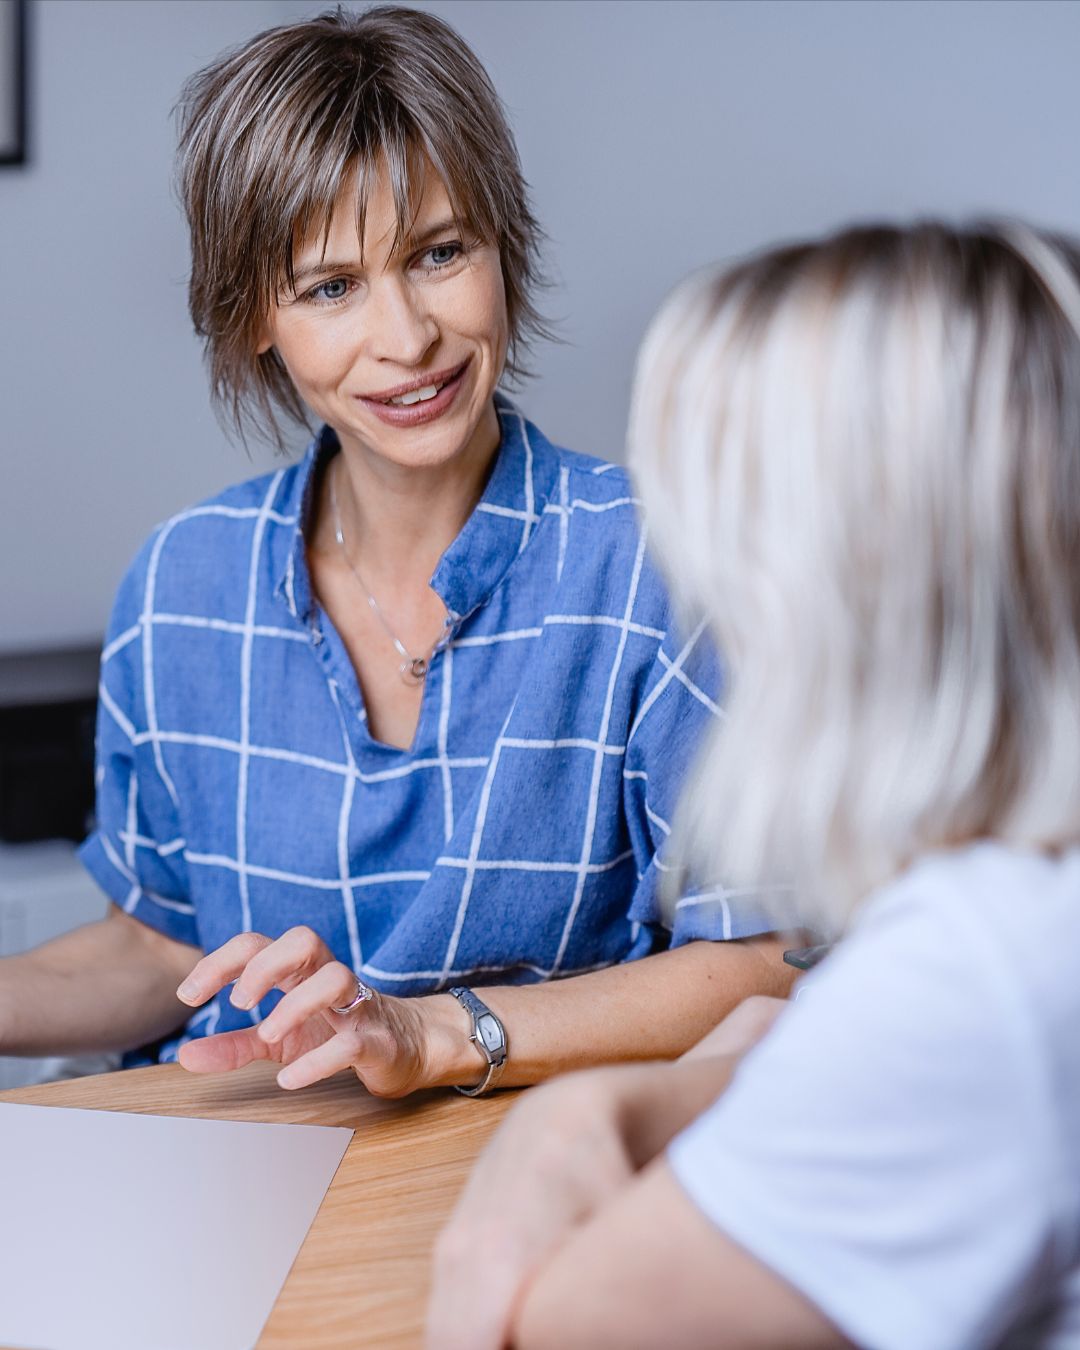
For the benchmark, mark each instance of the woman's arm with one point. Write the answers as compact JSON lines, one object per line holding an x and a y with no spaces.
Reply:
{"x":616,"y":1282}
{"x":654,"y":1008}
{"x":563,"y":1152}
{"x":106,"y":986}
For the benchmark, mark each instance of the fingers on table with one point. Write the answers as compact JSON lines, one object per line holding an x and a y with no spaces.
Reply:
{"x":339,"y":1052}
{"x":332,"y":985}
{"x":222,"y":1053}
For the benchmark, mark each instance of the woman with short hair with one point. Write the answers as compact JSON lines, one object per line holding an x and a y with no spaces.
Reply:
{"x":860,"y":459}
{"x":409,"y":716}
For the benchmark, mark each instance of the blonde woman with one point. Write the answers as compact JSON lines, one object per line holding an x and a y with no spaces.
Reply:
{"x":408,"y":716}
{"x":861,"y":462}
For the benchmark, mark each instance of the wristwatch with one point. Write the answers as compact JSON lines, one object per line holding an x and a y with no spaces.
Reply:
{"x":489,"y":1037}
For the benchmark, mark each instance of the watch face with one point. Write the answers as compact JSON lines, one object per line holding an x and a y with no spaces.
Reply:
{"x":488,"y":1031}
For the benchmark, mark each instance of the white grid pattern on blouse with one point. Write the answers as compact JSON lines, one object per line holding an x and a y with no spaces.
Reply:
{"x":442,"y":764}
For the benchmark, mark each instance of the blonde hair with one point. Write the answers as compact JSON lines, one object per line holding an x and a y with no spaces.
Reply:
{"x":860,"y":460}
{"x":271,"y":133}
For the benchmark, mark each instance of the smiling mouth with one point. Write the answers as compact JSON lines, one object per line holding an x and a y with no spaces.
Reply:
{"x":421,"y":393}
{"x":417,"y":395}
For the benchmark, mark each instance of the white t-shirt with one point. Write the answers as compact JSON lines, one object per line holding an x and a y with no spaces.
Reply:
{"x":904,"y":1146}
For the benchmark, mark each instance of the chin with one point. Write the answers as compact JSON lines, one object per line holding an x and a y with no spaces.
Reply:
{"x":421,"y":454}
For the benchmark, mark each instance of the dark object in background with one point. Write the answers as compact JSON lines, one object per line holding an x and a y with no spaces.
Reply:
{"x":48,"y":704}
{"x":14,"y":19}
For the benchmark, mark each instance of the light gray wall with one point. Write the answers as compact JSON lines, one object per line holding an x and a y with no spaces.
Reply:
{"x":104,"y":424}
{"x":657,"y":137}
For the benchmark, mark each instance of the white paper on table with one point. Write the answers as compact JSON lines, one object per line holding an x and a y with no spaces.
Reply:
{"x":133,"y":1232}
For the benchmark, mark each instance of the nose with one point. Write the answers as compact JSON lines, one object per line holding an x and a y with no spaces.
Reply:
{"x":399,"y":329}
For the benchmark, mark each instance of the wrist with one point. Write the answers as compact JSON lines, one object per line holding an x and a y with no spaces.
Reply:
{"x":451,"y":1059}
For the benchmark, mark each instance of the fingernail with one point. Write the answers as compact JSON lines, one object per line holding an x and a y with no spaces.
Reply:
{"x":286,"y":1078}
{"x":188,"y":992}
{"x":241,"y":1001}
{"x":267,"y":1032}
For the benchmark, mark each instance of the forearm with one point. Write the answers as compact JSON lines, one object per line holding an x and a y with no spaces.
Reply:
{"x":106,"y":986}
{"x":642,"y":1107}
{"x":652,"y":1009}
{"x":565,"y":1152}
{"x":648,"y":1268}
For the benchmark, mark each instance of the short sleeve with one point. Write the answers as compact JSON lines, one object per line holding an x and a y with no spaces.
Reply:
{"x":136,"y":850}
{"x":680,"y":704}
{"x":868,"y":1150}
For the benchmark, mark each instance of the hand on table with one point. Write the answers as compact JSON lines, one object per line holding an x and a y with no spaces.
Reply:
{"x":562,"y":1154}
{"x":382,"y":1040}
{"x":556,"y":1158}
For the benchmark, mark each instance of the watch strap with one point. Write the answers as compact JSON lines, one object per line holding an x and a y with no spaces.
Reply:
{"x":489,"y":1037}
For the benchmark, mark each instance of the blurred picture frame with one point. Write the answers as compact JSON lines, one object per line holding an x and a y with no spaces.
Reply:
{"x":13,"y":129}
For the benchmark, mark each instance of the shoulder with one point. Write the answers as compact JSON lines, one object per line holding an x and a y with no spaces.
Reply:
{"x":597,"y":508}
{"x":987,"y":927}
{"x":596,"y":483}
{"x":963,"y":974}
{"x":1003,"y":924}
{"x":1008,"y":918}
{"x":205,"y":550}
{"x":589,"y":512}
{"x":273,"y":497}
{"x":567,"y":479}
{"x":931,"y":1056}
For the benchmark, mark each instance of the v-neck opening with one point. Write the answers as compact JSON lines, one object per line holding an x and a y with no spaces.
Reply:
{"x":472,"y":568}
{"x":340,"y":669}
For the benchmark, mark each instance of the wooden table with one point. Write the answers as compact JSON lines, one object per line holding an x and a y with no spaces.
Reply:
{"x":361,"y":1278}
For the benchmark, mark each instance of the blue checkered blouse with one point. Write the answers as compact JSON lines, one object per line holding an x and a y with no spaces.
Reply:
{"x":515,"y":841}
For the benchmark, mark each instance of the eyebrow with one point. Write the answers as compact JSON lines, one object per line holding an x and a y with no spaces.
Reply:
{"x":329,"y":268}
{"x":302,"y":275}
{"x":440,"y":227}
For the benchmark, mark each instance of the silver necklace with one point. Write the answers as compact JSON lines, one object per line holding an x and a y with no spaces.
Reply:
{"x":413,"y":669}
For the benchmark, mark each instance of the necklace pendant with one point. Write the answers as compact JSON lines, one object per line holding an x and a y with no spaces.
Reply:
{"x":414,"y":671}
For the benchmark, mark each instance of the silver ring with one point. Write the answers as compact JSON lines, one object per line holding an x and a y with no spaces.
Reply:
{"x":363,"y":994}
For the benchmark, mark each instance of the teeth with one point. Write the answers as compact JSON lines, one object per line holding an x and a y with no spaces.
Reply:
{"x":415,"y":396}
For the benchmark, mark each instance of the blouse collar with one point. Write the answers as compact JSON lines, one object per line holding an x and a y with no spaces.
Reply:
{"x":495,"y":535}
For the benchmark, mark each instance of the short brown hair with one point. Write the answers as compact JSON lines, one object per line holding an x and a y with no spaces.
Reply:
{"x":270,"y":132}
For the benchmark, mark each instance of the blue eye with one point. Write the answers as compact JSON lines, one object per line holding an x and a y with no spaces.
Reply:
{"x":441,"y":255}
{"x":336,"y":289}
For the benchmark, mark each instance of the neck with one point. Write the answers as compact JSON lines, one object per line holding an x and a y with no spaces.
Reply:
{"x":399,"y":520}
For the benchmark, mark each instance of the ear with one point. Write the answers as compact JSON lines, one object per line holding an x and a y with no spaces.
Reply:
{"x":264,"y":344}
